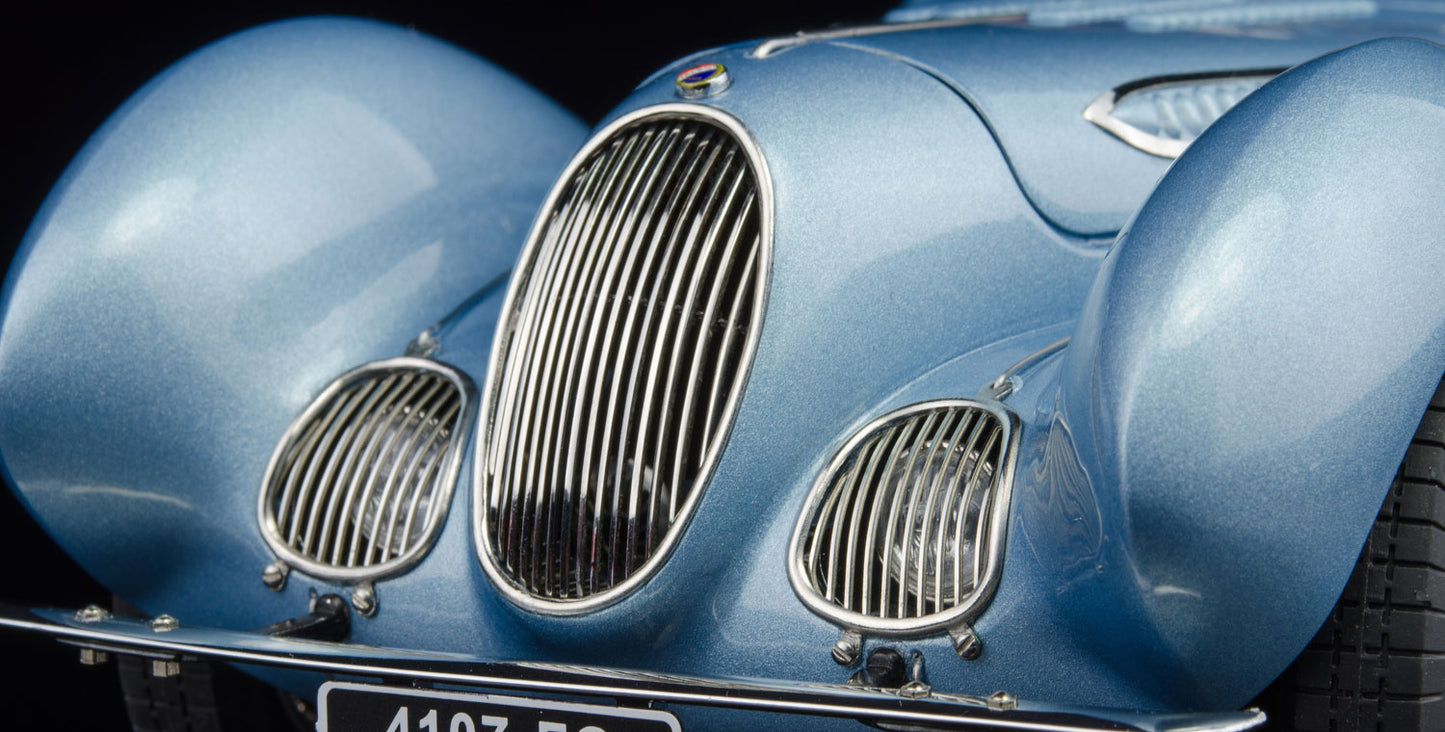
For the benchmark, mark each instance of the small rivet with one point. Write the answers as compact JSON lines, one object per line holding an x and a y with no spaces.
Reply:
{"x":363,"y":598}
{"x":91,"y":614}
{"x":274,"y":575}
{"x":165,"y":669}
{"x":846,"y":650}
{"x":164,"y":623}
{"x":1002,"y":701}
{"x":92,"y":657}
{"x":915,"y":690}
{"x":703,"y":80}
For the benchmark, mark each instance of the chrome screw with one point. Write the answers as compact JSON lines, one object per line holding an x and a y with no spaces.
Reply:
{"x":164,"y":623}
{"x":966,"y":643}
{"x":274,"y":575}
{"x":846,"y":650}
{"x":92,"y":657}
{"x":165,"y":669}
{"x":1002,"y":701}
{"x":363,"y":598}
{"x":91,"y":614}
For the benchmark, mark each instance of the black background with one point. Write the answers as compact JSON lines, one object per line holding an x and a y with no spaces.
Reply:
{"x":66,"y":67}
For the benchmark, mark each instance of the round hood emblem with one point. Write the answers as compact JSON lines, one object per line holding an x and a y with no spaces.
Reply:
{"x":702,"y":80}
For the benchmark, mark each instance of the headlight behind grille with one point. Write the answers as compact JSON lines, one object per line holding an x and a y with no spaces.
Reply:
{"x":359,"y":484}
{"x":901,"y":532}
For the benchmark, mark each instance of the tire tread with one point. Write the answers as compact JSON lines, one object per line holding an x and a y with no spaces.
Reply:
{"x":1378,"y":663}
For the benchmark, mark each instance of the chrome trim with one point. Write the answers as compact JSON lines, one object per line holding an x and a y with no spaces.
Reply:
{"x":962,"y":424}
{"x":1100,"y":111}
{"x":487,"y":463}
{"x":952,"y":711}
{"x":773,"y":46}
{"x":338,"y":427}
{"x":1005,"y":385}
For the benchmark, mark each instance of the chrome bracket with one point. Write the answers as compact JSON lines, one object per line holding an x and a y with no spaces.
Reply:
{"x":424,"y":345}
{"x":363,"y":598}
{"x":848,"y":648}
{"x":1000,"y":388}
{"x":966,"y":642}
{"x":916,"y":688}
{"x":275,"y":574}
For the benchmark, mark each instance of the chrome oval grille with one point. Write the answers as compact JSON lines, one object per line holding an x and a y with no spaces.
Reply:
{"x":900,"y":533}
{"x":359,"y":483}
{"x":628,"y":334}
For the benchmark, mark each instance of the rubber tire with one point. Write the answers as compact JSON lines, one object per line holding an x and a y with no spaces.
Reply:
{"x":1378,"y":663}
{"x":204,"y":697}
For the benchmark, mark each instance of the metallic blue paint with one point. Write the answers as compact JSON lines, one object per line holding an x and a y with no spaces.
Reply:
{"x":269,"y":212}
{"x":1082,"y":179}
{"x":296,"y":200}
{"x":1252,"y":361}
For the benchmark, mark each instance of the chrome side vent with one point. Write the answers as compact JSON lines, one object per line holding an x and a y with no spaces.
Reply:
{"x":360,"y":482}
{"x":903,"y":532}
{"x":626,"y":340}
{"x":1162,"y":115}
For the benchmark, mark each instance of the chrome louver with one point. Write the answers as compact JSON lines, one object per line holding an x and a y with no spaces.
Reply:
{"x":360,"y":482}
{"x":902,"y":532}
{"x":625,"y":342}
{"x":1162,"y":115}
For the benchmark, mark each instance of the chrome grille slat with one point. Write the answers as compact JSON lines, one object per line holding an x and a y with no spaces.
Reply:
{"x":724,"y":365}
{"x":398,"y":445}
{"x":642,"y":389}
{"x":293,"y":469}
{"x":969,"y":420}
{"x":566,"y":371}
{"x":962,"y":459}
{"x":684,"y":458}
{"x":557,"y":338}
{"x":891,"y":525}
{"x":539,"y":319}
{"x":902,"y":532}
{"x":381,"y":445}
{"x":677,"y":313}
{"x":378,"y":439}
{"x":657,"y":217}
{"x":887,"y":446}
{"x":387,"y":392}
{"x":390,"y":510}
{"x":318,"y":490}
{"x":417,"y":490}
{"x":981,"y":466}
{"x":602,"y":418}
{"x":582,"y":362}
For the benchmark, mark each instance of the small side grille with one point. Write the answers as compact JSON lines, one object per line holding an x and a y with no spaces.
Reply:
{"x":625,"y":346}
{"x":896,"y":534}
{"x":359,"y":483}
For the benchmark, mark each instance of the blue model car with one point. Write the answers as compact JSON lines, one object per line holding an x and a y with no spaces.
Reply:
{"x":1004,"y":365}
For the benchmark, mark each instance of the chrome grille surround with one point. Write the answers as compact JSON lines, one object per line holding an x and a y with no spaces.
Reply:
{"x":942,"y":468}
{"x":360,"y":482}
{"x":583,"y":387}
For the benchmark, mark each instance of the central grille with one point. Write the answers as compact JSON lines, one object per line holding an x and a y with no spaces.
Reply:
{"x":624,"y":349}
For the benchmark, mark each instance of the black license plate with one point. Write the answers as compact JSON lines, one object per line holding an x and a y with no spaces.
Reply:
{"x":347,"y":707}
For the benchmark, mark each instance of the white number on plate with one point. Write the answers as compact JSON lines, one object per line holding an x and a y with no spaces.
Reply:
{"x":463,"y":723}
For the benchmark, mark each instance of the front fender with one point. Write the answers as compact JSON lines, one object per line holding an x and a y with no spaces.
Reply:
{"x":1251,"y":364}
{"x":269,"y":212}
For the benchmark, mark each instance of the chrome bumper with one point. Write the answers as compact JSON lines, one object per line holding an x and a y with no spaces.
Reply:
{"x":885,"y":708}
